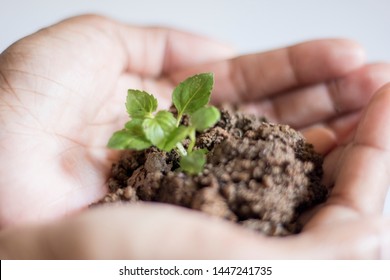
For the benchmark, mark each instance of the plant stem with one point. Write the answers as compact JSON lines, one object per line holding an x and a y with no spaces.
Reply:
{"x":193,"y":140}
{"x":181,"y":149}
{"x":179,"y":116}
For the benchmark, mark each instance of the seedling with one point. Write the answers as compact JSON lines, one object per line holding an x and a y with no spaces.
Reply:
{"x":162,"y":129}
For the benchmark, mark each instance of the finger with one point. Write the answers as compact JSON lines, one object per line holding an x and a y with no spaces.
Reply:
{"x":149,"y":51}
{"x":318,"y":103}
{"x":321,"y":137}
{"x":166,"y":232}
{"x":256,"y":76}
{"x":363,"y":238}
{"x":362,"y":170}
{"x":144,"y":231}
{"x":154,"y":51}
{"x":326,"y":136}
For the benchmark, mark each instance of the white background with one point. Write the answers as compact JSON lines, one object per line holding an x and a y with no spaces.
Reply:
{"x":249,"y":25}
{"x":281,"y":270}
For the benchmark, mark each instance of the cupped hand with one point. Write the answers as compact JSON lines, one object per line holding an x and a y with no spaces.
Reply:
{"x":62,"y":96}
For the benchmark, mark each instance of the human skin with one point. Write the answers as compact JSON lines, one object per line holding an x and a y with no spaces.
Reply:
{"x":62,"y":92}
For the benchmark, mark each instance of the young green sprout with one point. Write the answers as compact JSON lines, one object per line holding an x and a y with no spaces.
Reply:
{"x":162,"y":129}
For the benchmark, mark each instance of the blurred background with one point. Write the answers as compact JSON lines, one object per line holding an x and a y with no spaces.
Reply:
{"x":249,"y":25}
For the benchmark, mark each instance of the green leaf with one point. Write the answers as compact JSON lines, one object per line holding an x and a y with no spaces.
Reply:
{"x":134,"y":124}
{"x":175,"y":137}
{"x":129,"y":139}
{"x":119,"y":140}
{"x":138,"y":138}
{"x":194,"y":162}
{"x":140,"y":104}
{"x":193,"y":93}
{"x":205,"y":117}
{"x":158,"y":128}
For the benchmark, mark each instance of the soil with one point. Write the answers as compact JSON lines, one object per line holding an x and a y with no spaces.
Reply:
{"x":258,"y":174}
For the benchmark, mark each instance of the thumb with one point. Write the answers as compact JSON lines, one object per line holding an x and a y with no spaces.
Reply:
{"x":143,"y":231}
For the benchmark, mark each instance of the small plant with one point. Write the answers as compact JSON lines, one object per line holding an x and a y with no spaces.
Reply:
{"x":161,"y":129}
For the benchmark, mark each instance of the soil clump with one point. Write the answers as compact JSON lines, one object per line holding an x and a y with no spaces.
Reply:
{"x":258,"y":174}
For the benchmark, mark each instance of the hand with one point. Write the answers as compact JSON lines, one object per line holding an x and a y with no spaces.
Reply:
{"x":62,"y":90}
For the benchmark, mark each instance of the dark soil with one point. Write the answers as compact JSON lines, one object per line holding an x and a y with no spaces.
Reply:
{"x":258,"y":174}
